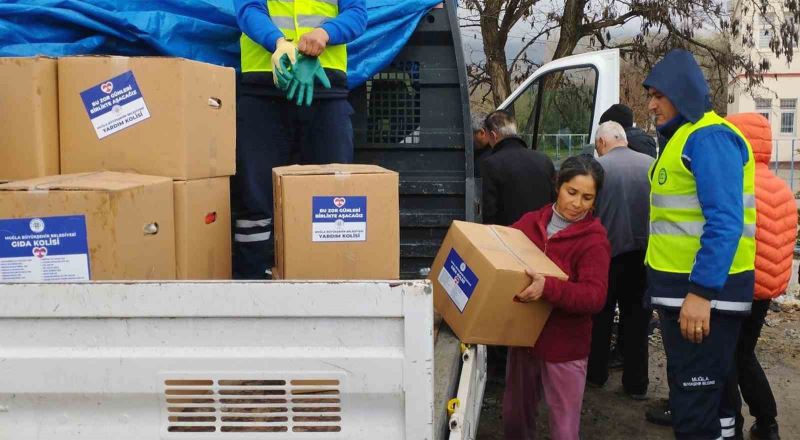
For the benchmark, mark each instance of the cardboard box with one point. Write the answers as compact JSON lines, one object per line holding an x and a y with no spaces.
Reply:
{"x":158,"y":116}
{"x":203,"y":229}
{"x":29,"y":121}
{"x":123,"y":222}
{"x":336,"y":222}
{"x":475,"y":276}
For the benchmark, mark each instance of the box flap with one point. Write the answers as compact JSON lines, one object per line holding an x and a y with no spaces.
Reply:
{"x":329,"y":169}
{"x":97,"y":181}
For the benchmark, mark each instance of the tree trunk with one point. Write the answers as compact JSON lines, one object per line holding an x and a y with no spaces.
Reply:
{"x":571,"y":28}
{"x":494,"y":45}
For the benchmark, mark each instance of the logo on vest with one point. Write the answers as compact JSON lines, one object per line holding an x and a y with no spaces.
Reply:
{"x":662,"y":176}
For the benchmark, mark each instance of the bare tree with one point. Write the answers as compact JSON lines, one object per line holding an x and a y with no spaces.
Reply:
{"x":663,"y":25}
{"x":496,"y":18}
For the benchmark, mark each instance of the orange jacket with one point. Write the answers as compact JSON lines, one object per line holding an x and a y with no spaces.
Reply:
{"x":776,"y":221}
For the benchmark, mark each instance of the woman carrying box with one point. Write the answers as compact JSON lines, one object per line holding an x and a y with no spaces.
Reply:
{"x":555,"y":368}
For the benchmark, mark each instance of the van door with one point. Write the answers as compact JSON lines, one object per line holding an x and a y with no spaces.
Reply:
{"x":558,"y":107}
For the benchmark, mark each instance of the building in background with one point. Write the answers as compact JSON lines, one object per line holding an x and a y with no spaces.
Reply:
{"x":777,"y":98}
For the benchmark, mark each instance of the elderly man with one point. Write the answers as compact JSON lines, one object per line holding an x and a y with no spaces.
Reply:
{"x":516,"y":179}
{"x":480,"y":140}
{"x":638,"y":140}
{"x":623,"y":209}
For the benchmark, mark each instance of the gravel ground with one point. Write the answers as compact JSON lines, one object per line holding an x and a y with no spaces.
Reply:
{"x":609,"y":414}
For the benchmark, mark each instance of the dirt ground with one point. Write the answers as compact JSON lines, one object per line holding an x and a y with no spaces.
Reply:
{"x":609,"y":414}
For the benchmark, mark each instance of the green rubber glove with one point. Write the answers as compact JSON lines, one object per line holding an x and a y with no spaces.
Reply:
{"x":283,"y":76}
{"x":283,"y":48}
{"x":304,"y":73}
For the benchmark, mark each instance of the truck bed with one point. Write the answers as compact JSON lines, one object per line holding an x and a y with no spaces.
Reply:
{"x":209,"y":360}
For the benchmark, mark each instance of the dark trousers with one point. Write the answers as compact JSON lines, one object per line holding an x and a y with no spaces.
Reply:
{"x":749,"y":376}
{"x":273,"y":132}
{"x":697,"y":374}
{"x":627,"y":283}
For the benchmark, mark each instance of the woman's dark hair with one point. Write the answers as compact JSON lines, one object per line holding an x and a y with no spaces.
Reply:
{"x":581,"y":165}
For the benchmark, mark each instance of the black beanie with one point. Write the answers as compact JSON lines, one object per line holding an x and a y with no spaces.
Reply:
{"x":619,"y":113}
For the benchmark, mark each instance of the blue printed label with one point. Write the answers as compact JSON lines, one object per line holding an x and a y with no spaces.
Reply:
{"x":339,"y":218}
{"x":47,"y":249}
{"x":458,"y":280}
{"x":115,"y":105}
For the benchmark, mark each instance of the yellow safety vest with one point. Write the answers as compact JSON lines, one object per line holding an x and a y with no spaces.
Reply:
{"x":295,"y":18}
{"x":676,"y":218}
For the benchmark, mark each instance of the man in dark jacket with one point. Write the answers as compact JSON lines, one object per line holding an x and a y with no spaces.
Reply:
{"x":516,"y":179}
{"x":638,"y":140}
{"x":701,"y":245}
{"x":623,"y":208}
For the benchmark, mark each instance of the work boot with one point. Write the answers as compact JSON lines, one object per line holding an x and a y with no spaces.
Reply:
{"x":762,"y":432}
{"x":659,"y":414}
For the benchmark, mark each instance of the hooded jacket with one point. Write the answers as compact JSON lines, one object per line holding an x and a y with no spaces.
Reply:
{"x":640,"y":142}
{"x":776,"y":222}
{"x":582,"y":251}
{"x":715,"y":156}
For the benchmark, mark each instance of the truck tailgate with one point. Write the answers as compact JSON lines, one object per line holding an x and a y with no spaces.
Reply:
{"x":209,"y":360}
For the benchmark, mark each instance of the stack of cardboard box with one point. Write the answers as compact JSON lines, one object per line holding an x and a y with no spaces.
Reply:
{"x":142,"y":117}
{"x":81,"y":117}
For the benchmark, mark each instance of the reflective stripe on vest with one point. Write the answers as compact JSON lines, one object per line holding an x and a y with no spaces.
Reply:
{"x":295,"y":18}
{"x":676,"y":216}
{"x":730,"y":306}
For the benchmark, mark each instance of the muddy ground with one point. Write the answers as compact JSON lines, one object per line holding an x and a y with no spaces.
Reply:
{"x":609,"y":414}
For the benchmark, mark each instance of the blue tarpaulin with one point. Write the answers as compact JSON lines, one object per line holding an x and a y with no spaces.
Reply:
{"x":203,"y":30}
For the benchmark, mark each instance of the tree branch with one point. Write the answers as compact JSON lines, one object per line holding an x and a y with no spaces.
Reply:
{"x":590,"y":28}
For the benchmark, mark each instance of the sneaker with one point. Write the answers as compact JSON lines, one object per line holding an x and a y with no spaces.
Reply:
{"x":760,"y":432}
{"x":660,"y":414}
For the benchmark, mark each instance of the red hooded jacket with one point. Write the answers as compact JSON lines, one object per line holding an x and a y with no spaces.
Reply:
{"x":582,"y":251}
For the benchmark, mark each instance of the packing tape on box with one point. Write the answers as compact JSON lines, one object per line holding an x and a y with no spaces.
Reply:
{"x":341,"y":175}
{"x":508,"y":248}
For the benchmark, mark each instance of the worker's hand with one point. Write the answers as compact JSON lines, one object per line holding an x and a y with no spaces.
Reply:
{"x":534,"y":291}
{"x":305,"y":72}
{"x":695,"y":318}
{"x":282,"y":48}
{"x":313,"y":43}
{"x":283,"y":77}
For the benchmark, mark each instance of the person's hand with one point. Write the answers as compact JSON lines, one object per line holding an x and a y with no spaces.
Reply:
{"x":534,"y":291}
{"x":282,"y":77}
{"x":305,"y":72}
{"x":695,"y":318}
{"x":313,"y":43}
{"x":283,"y":48}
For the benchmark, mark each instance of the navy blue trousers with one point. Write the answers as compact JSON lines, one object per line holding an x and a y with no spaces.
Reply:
{"x":697,"y":375}
{"x":272,"y":132}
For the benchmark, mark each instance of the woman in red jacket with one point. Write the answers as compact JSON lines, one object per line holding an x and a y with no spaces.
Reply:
{"x":555,"y":368}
